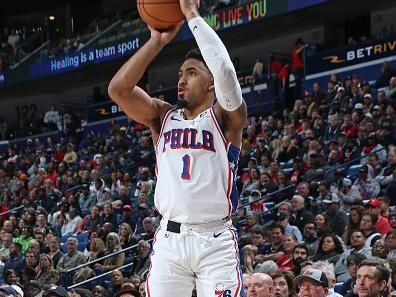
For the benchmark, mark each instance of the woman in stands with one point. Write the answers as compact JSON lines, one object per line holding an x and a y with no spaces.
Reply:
{"x":10,"y":278}
{"x":284,"y":285}
{"x":266,"y":186}
{"x":321,"y":224}
{"x":355,"y":216}
{"x":46,"y":274}
{"x":285,"y":262}
{"x":249,"y":262}
{"x":288,"y":150}
{"x":97,"y":249}
{"x":330,"y":249}
{"x":112,"y":246}
{"x":252,"y":183}
{"x":126,"y":238}
{"x":108,"y":216}
{"x":282,"y":181}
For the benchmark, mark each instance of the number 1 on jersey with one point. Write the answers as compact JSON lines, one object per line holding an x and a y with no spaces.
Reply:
{"x":186,"y":167}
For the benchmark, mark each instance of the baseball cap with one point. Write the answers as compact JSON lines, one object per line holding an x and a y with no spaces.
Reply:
{"x":257,"y":192}
{"x":373,"y":203}
{"x":314,"y":154}
{"x":333,"y":199}
{"x":363,"y":169}
{"x":127,"y":289}
{"x":335,"y":141}
{"x":82,"y":292}
{"x":368,"y":96}
{"x":253,"y":159}
{"x":358,"y":106}
{"x":127,"y":207}
{"x":297,"y":159}
{"x":346,"y":182}
{"x":341,"y":89}
{"x":143,"y":205}
{"x":377,"y":107}
{"x":97,"y":156}
{"x":56,"y":290}
{"x":392,"y":213}
{"x":313,"y":274}
{"x":368,"y":115}
{"x":280,"y":217}
{"x":35,"y":283}
{"x":106,"y":189}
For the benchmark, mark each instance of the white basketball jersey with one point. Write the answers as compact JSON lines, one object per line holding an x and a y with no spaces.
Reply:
{"x":196,"y":166}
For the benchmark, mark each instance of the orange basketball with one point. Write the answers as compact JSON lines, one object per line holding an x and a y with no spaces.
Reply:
{"x":160,"y":14}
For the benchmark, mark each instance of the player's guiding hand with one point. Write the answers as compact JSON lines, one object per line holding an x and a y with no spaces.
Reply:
{"x":189,"y":8}
{"x":162,"y":38}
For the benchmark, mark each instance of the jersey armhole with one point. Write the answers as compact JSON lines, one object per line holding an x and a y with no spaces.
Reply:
{"x":164,"y":120}
{"x":218,"y":126}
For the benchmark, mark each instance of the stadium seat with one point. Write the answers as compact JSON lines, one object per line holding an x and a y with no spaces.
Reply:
{"x":353,"y":171}
{"x":338,"y":287}
{"x":83,"y":237}
{"x":65,"y":237}
{"x":82,"y":245}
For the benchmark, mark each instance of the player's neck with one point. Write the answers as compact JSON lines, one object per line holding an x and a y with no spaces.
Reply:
{"x":191,"y":113}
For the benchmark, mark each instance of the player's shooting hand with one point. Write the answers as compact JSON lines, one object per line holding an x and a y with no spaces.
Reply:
{"x":189,"y":8}
{"x":164,"y":37}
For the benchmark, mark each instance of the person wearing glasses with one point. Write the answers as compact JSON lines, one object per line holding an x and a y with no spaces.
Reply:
{"x":313,"y":283}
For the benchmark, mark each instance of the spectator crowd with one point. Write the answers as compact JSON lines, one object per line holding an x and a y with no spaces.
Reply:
{"x":317,"y":185}
{"x":317,"y":193}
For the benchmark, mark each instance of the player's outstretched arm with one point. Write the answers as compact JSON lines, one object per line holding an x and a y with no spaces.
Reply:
{"x":134,"y":101}
{"x":231,"y":108}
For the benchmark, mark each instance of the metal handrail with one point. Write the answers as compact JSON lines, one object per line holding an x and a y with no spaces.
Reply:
{"x":104,"y":257}
{"x":97,"y":277}
{"x":327,"y":171}
{"x":97,"y":36}
{"x":30,"y":55}
{"x":11,"y":210}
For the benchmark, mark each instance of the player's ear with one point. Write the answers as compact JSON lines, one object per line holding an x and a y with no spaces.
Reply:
{"x":211,"y":84}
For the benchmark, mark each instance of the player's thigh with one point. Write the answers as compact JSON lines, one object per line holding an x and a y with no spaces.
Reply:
{"x":168,"y":275}
{"x":220,"y":273}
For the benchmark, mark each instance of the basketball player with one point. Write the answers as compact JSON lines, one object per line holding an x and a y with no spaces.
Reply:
{"x":197,"y":148}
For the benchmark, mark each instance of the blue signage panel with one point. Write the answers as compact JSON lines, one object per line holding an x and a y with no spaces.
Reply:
{"x":299,"y":4}
{"x":2,"y":78}
{"x":79,"y":59}
{"x":351,"y":55}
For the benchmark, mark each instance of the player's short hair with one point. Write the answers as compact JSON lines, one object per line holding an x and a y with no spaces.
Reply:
{"x":195,"y":53}
{"x":259,"y":230}
{"x":276,"y":226}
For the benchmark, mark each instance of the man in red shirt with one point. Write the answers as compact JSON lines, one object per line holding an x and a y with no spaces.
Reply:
{"x":297,"y":66}
{"x":382,"y":225}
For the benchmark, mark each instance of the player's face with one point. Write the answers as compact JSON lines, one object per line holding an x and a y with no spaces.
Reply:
{"x":195,"y":82}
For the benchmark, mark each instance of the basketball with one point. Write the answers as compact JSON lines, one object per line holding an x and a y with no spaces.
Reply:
{"x":160,"y":14}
